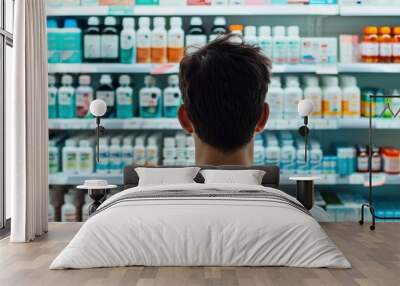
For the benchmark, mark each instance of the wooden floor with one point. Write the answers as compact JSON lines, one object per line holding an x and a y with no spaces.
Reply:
{"x":375,"y":257}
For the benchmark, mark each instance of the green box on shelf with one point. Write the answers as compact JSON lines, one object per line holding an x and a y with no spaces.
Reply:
{"x":147,"y":2}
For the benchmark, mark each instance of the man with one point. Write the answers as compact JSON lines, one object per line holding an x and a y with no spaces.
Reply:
{"x":224,"y":85}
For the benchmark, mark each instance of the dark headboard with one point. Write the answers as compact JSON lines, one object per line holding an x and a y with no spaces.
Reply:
{"x":270,"y":179}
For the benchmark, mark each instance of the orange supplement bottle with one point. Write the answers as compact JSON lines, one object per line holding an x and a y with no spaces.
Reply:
{"x":176,"y":40}
{"x":159,"y":41}
{"x":385,"y":45}
{"x":396,"y":44}
{"x":370,"y":45}
{"x":143,"y":41}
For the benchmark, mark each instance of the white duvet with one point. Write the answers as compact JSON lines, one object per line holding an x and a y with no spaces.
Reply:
{"x":200,"y":231}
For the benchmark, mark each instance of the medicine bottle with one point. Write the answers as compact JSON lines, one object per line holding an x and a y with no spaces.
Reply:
{"x":396,"y":44}
{"x":370,"y":45}
{"x":385,"y":45}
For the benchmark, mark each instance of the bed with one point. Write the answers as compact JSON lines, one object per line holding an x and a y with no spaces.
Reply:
{"x":199,"y":224}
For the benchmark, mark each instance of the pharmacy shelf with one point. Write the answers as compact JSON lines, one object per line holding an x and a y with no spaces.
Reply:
{"x":354,"y":179}
{"x":173,"y":124}
{"x":170,"y":68}
{"x":115,"y":124}
{"x":114,"y":68}
{"x":372,"y":10}
{"x":249,"y":10}
{"x":77,"y":179}
{"x":368,"y":68}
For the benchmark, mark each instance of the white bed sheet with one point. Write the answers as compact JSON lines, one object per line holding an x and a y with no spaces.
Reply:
{"x":200,"y":232}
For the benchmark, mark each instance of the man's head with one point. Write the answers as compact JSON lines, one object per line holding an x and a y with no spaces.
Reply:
{"x":224,"y":85}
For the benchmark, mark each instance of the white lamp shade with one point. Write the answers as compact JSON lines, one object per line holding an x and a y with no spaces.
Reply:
{"x":305,"y":107}
{"x":98,"y":108}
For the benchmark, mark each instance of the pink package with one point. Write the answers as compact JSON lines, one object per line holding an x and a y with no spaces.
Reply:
{"x":199,"y":2}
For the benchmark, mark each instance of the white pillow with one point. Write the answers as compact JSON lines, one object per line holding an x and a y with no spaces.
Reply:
{"x":248,"y":177}
{"x":166,"y":176}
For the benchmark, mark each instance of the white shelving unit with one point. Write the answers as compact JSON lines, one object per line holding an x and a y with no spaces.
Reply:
{"x":173,"y":124}
{"x":170,"y":68}
{"x":366,"y":10}
{"x":250,"y":10}
{"x":354,"y":179}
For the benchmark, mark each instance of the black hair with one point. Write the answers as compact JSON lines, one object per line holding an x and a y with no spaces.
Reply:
{"x":224,"y":85}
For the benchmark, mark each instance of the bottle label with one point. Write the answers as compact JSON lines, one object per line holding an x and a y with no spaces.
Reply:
{"x":396,"y":49}
{"x":369,"y":49}
{"x":104,"y":160}
{"x":109,"y":46}
{"x":115,"y":161}
{"x":107,"y":96}
{"x":143,"y":40}
{"x":291,"y":102}
{"x":266,"y":48}
{"x":83,"y":100}
{"x":149,"y":99}
{"x":351,"y":105}
{"x":65,"y":98}
{"x":69,"y":217}
{"x":92,"y":46}
{"x":275,"y":101}
{"x":362,"y":164}
{"x":85,"y":162}
{"x":71,"y":163}
{"x":195,"y":42}
{"x":127,"y":158}
{"x":333,"y":106}
{"x":317,"y":103}
{"x":172,"y":98}
{"x":159,"y":55}
{"x":52,"y":97}
{"x":385,"y":50}
{"x":140,"y":156}
{"x":128,"y":51}
{"x":124,"y":98}
{"x":53,"y":162}
{"x":293,"y":52}
{"x":279,"y":52}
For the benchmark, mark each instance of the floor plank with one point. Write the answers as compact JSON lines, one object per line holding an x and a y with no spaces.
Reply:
{"x":375,"y":257}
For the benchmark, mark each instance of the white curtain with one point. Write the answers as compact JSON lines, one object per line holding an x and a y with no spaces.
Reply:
{"x":26,"y":123}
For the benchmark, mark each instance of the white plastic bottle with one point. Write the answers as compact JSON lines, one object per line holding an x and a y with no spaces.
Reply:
{"x":128,"y":41}
{"x":250,"y":35}
{"x":85,"y":157}
{"x":143,"y":41}
{"x":127,"y":153}
{"x":102,"y":166}
{"x":190,"y":150}
{"x":68,"y":210}
{"x":169,"y":151}
{"x":115,"y":155}
{"x":54,"y":157}
{"x":313,"y":92}
{"x":176,"y":40}
{"x":139,"y":151}
{"x":92,"y":41}
{"x":172,"y":97}
{"x":293,"y":45}
{"x":85,"y":208}
{"x":351,"y":97}
{"x":66,"y":98}
{"x":110,"y":40}
{"x":275,"y":98}
{"x":70,"y":157}
{"x":272,"y":153}
{"x":292,"y":96}
{"x":265,"y":40}
{"x":196,"y":36}
{"x":52,"y":94}
{"x":288,"y":157}
{"x":84,"y":96}
{"x":124,"y":96}
{"x":316,"y":156}
{"x":279,"y":45}
{"x":159,"y":41}
{"x":219,"y":28}
{"x":152,"y":151}
{"x":331,"y":97}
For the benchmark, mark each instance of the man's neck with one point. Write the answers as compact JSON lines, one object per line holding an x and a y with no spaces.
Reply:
{"x":207,"y":155}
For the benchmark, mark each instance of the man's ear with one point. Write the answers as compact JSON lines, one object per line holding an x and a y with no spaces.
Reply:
{"x":263,"y":119}
{"x":184,"y":120}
